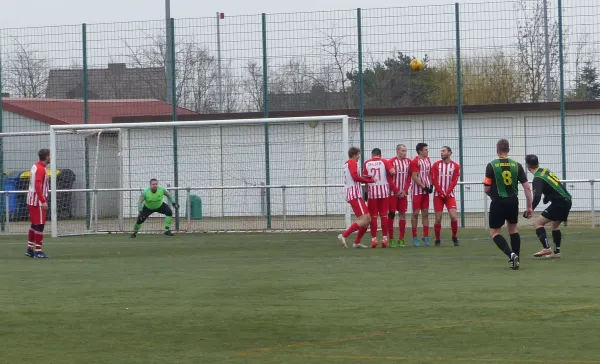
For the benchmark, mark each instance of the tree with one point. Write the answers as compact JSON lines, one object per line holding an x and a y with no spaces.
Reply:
{"x":486,"y":79}
{"x":253,"y":87}
{"x":340,"y":61}
{"x":587,"y":86}
{"x":531,"y":48}
{"x":26,"y":72}
{"x":196,"y":72}
{"x":393,"y":84}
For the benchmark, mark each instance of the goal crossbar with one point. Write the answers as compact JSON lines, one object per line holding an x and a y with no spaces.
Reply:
{"x":60,"y":129}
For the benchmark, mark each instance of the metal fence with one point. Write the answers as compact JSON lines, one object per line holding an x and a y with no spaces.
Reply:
{"x":507,"y":52}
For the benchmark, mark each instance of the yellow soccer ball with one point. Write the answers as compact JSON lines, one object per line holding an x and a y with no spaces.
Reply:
{"x":416,"y":65}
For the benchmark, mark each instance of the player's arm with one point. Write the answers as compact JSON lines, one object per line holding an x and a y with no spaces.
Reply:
{"x":353,"y":168}
{"x":487,"y":180}
{"x":414,"y":171}
{"x":538,"y":188}
{"x":40,"y":175}
{"x":407,"y":183}
{"x":141,"y":200}
{"x":170,"y":198}
{"x":435,"y":174}
{"x":454,"y":181}
{"x":391,"y":171}
{"x":522,"y":177}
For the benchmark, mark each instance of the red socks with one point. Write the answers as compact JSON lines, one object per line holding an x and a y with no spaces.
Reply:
{"x":425,"y":231}
{"x":373,"y":226}
{"x":31,"y":239}
{"x":385,"y":226}
{"x":391,"y":228}
{"x":361,"y":232}
{"x":438,"y":231}
{"x":402,"y":224}
{"x":454,"y":226}
{"x":39,"y":240}
{"x":350,"y":230}
{"x":414,"y":232}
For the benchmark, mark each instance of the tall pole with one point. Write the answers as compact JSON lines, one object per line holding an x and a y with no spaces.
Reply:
{"x":2,"y":219}
{"x":547,"y":51}
{"x":168,"y":53}
{"x":361,"y":88}
{"x":174,"y":117}
{"x":86,"y":118}
{"x":562,"y":92}
{"x":266,"y":115}
{"x":459,"y":113}
{"x":220,"y":79}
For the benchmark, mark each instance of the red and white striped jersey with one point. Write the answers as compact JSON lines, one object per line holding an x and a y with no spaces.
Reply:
{"x":445,"y":177}
{"x":352,"y":187}
{"x":38,"y":185}
{"x":379,"y":169}
{"x":402,"y":177}
{"x":423,"y":167}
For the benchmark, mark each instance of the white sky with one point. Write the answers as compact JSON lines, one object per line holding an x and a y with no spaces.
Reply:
{"x":33,"y":13}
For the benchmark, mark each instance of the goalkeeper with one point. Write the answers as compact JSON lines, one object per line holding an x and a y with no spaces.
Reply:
{"x":151,"y":201}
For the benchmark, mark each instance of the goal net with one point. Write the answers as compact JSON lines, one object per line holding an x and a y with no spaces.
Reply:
{"x":274,"y":174}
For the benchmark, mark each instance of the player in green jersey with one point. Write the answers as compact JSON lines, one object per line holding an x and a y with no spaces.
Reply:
{"x":501,"y":183}
{"x":547,"y":183}
{"x":151,"y":201}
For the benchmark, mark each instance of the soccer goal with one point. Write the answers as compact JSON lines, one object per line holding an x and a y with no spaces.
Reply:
{"x":273,"y":174}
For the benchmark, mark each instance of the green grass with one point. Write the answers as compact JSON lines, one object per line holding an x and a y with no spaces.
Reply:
{"x":296,"y":298}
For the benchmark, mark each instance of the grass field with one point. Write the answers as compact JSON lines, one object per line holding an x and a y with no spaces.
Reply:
{"x":297,"y":298}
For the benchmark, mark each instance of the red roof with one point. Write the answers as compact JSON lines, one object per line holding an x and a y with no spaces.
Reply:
{"x":68,"y":111}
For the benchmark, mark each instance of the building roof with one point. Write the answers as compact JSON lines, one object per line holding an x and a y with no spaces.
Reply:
{"x":62,"y":112}
{"x":115,"y":82}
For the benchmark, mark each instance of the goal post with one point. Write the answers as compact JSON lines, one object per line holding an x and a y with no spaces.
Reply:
{"x":221,"y":167}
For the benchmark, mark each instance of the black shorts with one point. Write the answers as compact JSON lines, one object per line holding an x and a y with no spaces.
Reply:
{"x":558,"y":210}
{"x":502,"y":210}
{"x":163,"y":209}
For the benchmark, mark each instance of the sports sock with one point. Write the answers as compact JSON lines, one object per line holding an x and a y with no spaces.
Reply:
{"x":425,"y":231}
{"x":541,"y":234}
{"x":454,"y":227}
{"x":31,"y":239}
{"x":374,"y":227}
{"x":391,"y":228}
{"x":402,"y":224}
{"x":414,"y":232}
{"x":361,"y":232}
{"x":350,"y":230}
{"x":557,"y":237}
{"x":437,"y":228}
{"x":385,"y":226}
{"x":515,"y":243}
{"x":136,"y":228}
{"x":39,"y":240}
{"x":168,"y":221}
{"x":502,"y":244}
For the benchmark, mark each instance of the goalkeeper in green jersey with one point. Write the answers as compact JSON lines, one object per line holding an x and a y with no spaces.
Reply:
{"x":151,"y":201}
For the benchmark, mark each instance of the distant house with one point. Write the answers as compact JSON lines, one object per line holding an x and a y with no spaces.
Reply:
{"x":115,"y":82}
{"x":317,"y":99}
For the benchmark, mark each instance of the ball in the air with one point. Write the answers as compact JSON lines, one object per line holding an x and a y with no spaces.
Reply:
{"x":416,"y":65}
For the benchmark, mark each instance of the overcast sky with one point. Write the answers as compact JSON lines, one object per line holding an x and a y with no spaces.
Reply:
{"x":30,"y":13}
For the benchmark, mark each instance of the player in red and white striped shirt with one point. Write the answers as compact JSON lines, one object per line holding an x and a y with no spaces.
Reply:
{"x":353,"y":193}
{"x":379,"y":194}
{"x":37,"y":205}
{"x":445,"y":175}
{"x":402,"y":179}
{"x":420,"y":168}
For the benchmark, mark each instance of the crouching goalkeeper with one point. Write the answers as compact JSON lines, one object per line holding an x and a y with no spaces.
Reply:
{"x":151,"y":201}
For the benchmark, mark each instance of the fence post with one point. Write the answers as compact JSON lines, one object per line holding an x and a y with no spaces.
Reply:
{"x":459,"y":114}
{"x":1,"y":144}
{"x":174,"y":117}
{"x":563,"y":146}
{"x":95,"y":211}
{"x":361,"y":87}
{"x":592,"y":206}
{"x":188,"y":209}
{"x":266,"y":115}
{"x":88,"y":217}
{"x":284,"y":207}
{"x":6,"y":212}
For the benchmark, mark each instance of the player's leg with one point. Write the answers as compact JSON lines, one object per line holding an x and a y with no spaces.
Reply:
{"x":438,"y":208}
{"x":562,"y":215}
{"x":540,"y":230}
{"x":374,"y":212}
{"x":166,"y":210}
{"x":496,"y":220}
{"x":34,"y":218}
{"x":392,"y":206}
{"x":512,"y":219}
{"x":425,"y":217}
{"x":451,"y":207}
{"x":414,"y":220}
{"x":38,"y":221}
{"x":360,"y":209}
{"x":402,"y":208}
{"x":383,"y":215}
{"x":142,"y":216}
